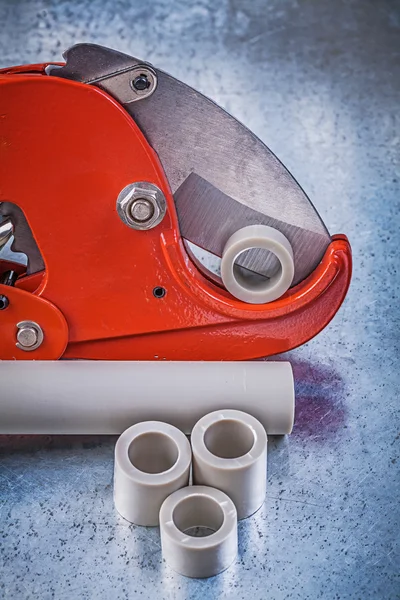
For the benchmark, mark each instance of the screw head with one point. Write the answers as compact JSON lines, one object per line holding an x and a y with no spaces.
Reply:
{"x":141,"y":210}
{"x":141,"y":205}
{"x":27,"y":337}
{"x":4,"y":302}
{"x":141,"y":82}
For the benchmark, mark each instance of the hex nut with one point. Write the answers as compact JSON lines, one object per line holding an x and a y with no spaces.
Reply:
{"x":141,"y":205}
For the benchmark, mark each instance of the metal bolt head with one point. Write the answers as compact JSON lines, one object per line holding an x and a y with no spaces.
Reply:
{"x":141,"y":205}
{"x":141,"y":210}
{"x":29,"y":336}
{"x":141,"y":82}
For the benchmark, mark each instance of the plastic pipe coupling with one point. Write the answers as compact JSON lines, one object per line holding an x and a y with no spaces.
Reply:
{"x":152,"y":460}
{"x":230,"y":453}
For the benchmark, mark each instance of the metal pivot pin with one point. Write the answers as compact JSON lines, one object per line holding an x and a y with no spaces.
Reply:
{"x":29,"y":336}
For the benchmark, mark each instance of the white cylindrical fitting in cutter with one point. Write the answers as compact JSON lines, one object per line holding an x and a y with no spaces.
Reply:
{"x":230,"y":452}
{"x":152,"y":460}
{"x":247,"y":288}
{"x":185,"y":514}
{"x":107,"y":397}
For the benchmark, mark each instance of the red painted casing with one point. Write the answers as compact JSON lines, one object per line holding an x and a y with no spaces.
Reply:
{"x":66,"y":151}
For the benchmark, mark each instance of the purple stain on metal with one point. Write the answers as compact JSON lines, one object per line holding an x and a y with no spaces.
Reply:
{"x":320,"y":401}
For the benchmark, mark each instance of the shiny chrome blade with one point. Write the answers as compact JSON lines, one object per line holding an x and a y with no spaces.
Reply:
{"x":23,"y":242}
{"x":207,"y":218}
{"x":222,"y":176}
{"x":6,"y":231}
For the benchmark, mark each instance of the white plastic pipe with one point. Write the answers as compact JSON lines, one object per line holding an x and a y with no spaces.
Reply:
{"x":107,"y":397}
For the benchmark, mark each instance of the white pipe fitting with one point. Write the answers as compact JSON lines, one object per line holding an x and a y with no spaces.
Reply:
{"x":249,"y":289}
{"x":193,"y":510}
{"x":230,"y":452}
{"x":152,"y":460}
{"x":106,"y":397}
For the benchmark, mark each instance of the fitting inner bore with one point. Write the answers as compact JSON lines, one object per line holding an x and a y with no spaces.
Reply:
{"x":153,"y":452}
{"x":229,"y":438}
{"x":152,"y":460}
{"x":198,"y":527}
{"x":230,"y":453}
{"x":198,"y":516}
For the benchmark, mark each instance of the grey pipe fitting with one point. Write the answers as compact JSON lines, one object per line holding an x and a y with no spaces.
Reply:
{"x":152,"y":460}
{"x":230,"y":452}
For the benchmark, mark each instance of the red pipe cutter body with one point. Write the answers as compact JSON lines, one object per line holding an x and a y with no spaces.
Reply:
{"x":108,"y":291}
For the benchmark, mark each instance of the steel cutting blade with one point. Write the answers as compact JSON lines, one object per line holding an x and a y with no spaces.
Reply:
{"x":222,"y":176}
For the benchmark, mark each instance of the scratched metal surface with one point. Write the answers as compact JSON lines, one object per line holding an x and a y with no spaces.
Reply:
{"x":319,"y":82}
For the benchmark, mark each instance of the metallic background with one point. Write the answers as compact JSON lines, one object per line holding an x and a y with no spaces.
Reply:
{"x":318,"y":81}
